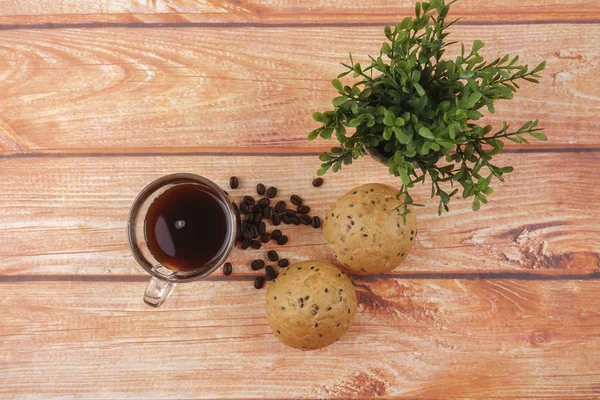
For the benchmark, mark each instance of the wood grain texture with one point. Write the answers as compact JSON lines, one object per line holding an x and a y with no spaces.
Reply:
{"x":30,"y":12}
{"x":67,"y":215}
{"x":411,"y":338}
{"x":118,"y":89}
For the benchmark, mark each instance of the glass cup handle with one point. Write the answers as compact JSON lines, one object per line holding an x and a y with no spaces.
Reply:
{"x":158,"y":291}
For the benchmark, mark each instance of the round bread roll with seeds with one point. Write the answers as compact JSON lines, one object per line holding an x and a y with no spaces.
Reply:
{"x":310,"y":305}
{"x":364,"y":231}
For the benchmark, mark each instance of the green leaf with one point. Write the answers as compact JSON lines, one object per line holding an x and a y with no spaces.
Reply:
{"x":419,"y":89}
{"x":387,"y":31}
{"x":355,"y":122}
{"x":477,"y":45}
{"x":325,"y":157}
{"x":338,"y":85}
{"x":410,"y":152}
{"x":399,"y":122}
{"x":337,"y":150}
{"x":387,"y":133}
{"x":385,"y":48}
{"x":444,"y":196}
{"x":326,"y":134}
{"x":389,"y":118}
{"x":450,"y":66}
{"x":515,"y":139}
{"x":403,"y":175}
{"x":426,"y":133}
{"x":539,"y":136}
{"x":476,"y":204}
{"x":338,"y":101}
{"x":314,"y":134}
{"x":473,"y":99}
{"x":401,"y":135}
{"x":540,"y":67}
{"x":406,"y":24}
{"x":318,"y":117}
{"x":460,"y":114}
{"x":416,"y":75}
{"x":473,"y":114}
{"x":322,"y":171}
{"x":452,"y":132}
{"x":445,"y":144}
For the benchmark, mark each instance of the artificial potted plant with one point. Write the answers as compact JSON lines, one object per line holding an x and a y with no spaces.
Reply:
{"x":418,"y":113}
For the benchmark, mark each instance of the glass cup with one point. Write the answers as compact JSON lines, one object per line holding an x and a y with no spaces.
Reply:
{"x":164,"y":279}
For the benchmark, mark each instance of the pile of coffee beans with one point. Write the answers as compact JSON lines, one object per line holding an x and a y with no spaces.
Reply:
{"x":252,"y":214}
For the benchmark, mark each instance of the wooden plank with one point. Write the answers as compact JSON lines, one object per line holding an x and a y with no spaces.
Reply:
{"x":411,"y":338}
{"x":31,"y":12}
{"x":117,"y":89}
{"x":67,"y":215}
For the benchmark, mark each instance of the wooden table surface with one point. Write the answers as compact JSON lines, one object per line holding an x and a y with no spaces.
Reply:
{"x":98,"y":98}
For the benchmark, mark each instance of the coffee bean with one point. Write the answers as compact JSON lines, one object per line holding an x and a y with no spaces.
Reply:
{"x":270,"y":272}
{"x":290,"y":212}
{"x":246,"y":243}
{"x":245,"y":226}
{"x":268,"y":212}
{"x":254,"y":232}
{"x":305,"y":219}
{"x":257,"y":264}
{"x":295,"y":220}
{"x":276,"y":234}
{"x":262,"y":228}
{"x":272,"y":192}
{"x":247,"y":235}
{"x":282,"y":240}
{"x":244,"y":208}
{"x":303,"y":209}
{"x":296,"y":200}
{"x":280,"y":207}
{"x":283,"y":263}
{"x":263,"y":203}
{"x":316,"y":222}
{"x":265,"y":237}
{"x":317,"y":182}
{"x":257,"y":218}
{"x":256,"y":208}
{"x":260,"y":189}
{"x":286,"y":219}
{"x":259,"y":282}
{"x":249,"y":200}
{"x":227,"y":269}
{"x":256,"y":244}
{"x":234,"y":182}
{"x":273,"y":256}
{"x":250,"y":218}
{"x":276,"y":220}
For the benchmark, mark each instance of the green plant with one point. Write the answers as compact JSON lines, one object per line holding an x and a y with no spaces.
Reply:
{"x":420,"y":108}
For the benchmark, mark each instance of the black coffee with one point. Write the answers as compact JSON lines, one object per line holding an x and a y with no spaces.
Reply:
{"x":186,"y":227}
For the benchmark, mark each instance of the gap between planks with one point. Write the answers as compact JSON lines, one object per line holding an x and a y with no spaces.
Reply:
{"x":252,"y":151}
{"x":500,"y":275}
{"x":44,"y":24}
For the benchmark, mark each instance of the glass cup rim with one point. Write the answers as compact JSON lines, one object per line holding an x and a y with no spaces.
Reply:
{"x":145,"y":193}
